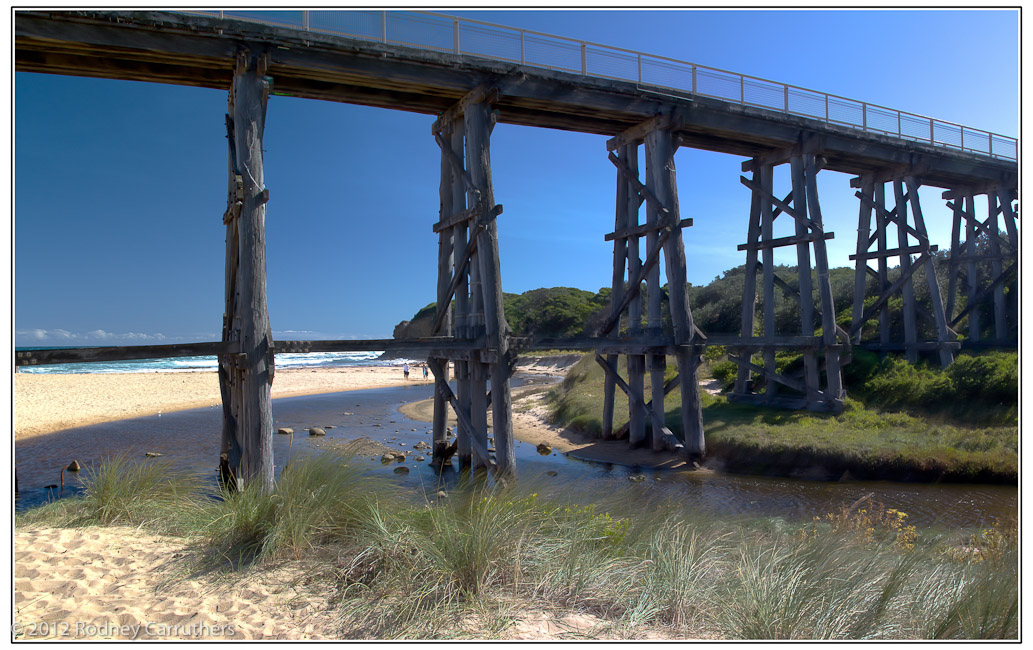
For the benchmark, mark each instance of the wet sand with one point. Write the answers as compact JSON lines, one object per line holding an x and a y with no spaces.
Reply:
{"x":44,"y":403}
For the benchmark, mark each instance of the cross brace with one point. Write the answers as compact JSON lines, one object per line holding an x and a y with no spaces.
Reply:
{"x":670,"y":441}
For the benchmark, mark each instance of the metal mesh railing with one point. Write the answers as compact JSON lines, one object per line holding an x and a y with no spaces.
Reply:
{"x":427,"y":30}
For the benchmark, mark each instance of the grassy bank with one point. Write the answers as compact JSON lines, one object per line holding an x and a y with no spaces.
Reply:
{"x":865,"y":440}
{"x":477,"y":561}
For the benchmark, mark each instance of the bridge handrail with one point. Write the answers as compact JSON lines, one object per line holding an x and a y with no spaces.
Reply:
{"x":646,"y":70}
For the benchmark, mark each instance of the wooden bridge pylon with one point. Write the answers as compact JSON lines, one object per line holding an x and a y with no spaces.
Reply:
{"x":905,"y":186}
{"x":801,"y":203}
{"x":650,"y":346}
{"x":965,"y":258}
{"x":468,"y":270}
{"x":246,"y":374}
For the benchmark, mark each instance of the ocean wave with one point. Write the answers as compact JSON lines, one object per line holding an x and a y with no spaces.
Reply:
{"x":210,"y":363}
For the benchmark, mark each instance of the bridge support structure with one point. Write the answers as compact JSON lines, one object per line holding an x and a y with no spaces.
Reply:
{"x":648,"y":348}
{"x":801,"y":204}
{"x":469,"y":273}
{"x":246,"y":371}
{"x":983,"y":286}
{"x":873,"y":204}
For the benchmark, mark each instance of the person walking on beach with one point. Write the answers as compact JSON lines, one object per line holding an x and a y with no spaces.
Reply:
{"x":405,"y":370}
{"x":424,"y":372}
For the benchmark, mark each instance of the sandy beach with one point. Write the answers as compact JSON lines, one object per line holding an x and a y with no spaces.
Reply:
{"x":44,"y":403}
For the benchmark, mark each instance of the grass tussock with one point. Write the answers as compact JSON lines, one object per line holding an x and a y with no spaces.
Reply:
{"x":471,"y":564}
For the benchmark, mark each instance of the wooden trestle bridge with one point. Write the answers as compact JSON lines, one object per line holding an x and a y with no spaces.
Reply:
{"x":768,"y":124}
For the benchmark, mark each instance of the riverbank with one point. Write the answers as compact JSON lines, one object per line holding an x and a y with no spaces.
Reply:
{"x":44,"y":403}
{"x":862,"y":442}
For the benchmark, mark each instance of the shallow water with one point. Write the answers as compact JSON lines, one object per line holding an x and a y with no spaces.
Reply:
{"x":190,"y":440}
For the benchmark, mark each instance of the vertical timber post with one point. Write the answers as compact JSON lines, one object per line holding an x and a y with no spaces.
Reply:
{"x":620,"y":261}
{"x":636,"y":362}
{"x":910,"y":325}
{"x":767,"y":220}
{"x":249,"y":373}
{"x":935,"y":299}
{"x":864,"y":226}
{"x":749,"y":302}
{"x":833,"y":371}
{"x":657,"y":363}
{"x":660,"y":149}
{"x":478,"y":130}
{"x":801,"y":184}
{"x":974,"y":325}
{"x":445,"y":262}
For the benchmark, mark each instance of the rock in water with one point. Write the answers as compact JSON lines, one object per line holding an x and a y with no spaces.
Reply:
{"x":285,"y":431}
{"x":402,"y":470}
{"x":152,"y":454}
{"x":421,"y":445}
{"x":316,"y":431}
{"x":544,"y":449}
{"x":387,"y":458}
{"x":420,"y":459}
{"x":74,"y":467}
{"x":551,"y":472}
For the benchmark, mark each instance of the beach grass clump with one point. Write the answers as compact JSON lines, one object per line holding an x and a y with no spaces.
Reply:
{"x":321,"y":498}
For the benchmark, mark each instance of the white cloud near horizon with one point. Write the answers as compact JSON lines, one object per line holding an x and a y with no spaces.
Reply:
{"x":64,"y":337}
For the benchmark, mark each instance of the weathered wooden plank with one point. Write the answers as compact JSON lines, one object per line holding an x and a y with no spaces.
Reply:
{"x":644,"y":229}
{"x":454,"y":220}
{"x":894,"y":252}
{"x":40,"y":357}
{"x":794,"y":240}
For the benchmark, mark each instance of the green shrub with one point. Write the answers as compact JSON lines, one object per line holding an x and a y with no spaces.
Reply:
{"x":725,"y":372}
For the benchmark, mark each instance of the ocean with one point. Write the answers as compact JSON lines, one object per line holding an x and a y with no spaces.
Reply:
{"x":210,"y":363}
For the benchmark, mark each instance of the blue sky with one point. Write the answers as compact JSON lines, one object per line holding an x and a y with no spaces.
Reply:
{"x":120,"y":186}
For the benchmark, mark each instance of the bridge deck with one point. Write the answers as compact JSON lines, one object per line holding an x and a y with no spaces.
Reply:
{"x":200,"y":51}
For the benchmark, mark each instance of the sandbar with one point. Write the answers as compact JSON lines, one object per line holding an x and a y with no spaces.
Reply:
{"x":44,"y":403}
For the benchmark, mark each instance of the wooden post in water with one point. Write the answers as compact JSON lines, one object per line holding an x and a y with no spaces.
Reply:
{"x":246,"y":376}
{"x":636,"y":362}
{"x":657,"y":363}
{"x":660,"y":149}
{"x":445,"y":262}
{"x":478,"y":132}
{"x":620,"y":262}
